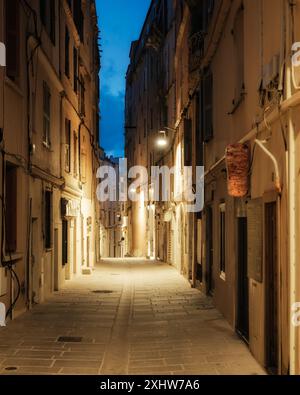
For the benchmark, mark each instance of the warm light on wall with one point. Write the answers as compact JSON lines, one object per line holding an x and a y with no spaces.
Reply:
{"x":162,"y":139}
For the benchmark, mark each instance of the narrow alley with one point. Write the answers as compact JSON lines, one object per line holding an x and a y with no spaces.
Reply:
{"x":128,"y":317}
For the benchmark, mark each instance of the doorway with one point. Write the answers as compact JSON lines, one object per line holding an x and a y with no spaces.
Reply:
{"x":65,"y":242}
{"x":271,"y":288}
{"x":209,"y":250}
{"x":243,"y":282}
{"x":56,"y":268}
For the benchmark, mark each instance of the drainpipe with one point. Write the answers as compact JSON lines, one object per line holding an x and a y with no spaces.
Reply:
{"x":292,"y":194}
{"x":278,"y":201}
{"x":274,"y":160}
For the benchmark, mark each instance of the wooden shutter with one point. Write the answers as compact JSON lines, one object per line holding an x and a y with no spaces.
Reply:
{"x":67,"y":52}
{"x":188,"y":142}
{"x":52,"y":21}
{"x":64,"y":242}
{"x":255,"y":239}
{"x":12,"y":38}
{"x":11,"y":208}
{"x":48,"y":219}
{"x":207,"y":107}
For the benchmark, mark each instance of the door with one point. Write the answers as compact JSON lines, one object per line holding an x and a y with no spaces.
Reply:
{"x":64,"y":242}
{"x":271,"y":307}
{"x":88,"y":251}
{"x":35,"y":263}
{"x":56,"y":269}
{"x":209,"y":250}
{"x":243,"y":282}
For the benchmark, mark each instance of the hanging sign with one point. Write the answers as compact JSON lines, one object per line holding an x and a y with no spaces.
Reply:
{"x":238,"y":165}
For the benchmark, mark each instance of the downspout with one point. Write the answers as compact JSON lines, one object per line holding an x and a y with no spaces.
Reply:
{"x":291,"y":198}
{"x":274,"y":160}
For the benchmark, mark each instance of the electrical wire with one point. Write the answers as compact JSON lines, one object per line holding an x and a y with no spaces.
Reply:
{"x":12,"y":306}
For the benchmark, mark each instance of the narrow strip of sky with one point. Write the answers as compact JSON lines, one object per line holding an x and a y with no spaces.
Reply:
{"x":120,"y":23}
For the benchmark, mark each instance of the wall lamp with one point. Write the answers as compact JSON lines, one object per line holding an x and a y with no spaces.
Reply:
{"x":162,"y":140}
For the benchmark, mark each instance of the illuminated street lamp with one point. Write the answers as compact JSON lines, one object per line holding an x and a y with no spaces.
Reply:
{"x":162,"y":139}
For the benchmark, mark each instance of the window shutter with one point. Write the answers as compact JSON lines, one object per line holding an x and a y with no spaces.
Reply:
{"x":188,"y":142}
{"x":52,"y":21}
{"x":207,"y":107}
{"x":67,"y":53}
{"x":12,"y":38}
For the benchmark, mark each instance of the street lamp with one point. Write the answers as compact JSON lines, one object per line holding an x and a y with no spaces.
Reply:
{"x":162,"y":139}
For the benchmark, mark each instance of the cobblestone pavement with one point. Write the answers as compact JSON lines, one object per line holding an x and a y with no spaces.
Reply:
{"x":134,"y":318}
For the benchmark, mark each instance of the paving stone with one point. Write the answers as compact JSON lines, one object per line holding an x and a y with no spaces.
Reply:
{"x":79,"y":371}
{"x":26,"y":362}
{"x":80,"y":363}
{"x":153,"y":323}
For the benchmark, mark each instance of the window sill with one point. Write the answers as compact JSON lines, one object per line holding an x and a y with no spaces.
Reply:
{"x":13,"y":85}
{"x":223,"y":276}
{"x":15,"y":256}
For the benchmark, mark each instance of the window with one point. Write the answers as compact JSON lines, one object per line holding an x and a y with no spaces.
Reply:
{"x":207,"y":106}
{"x":151,"y":119}
{"x":67,"y":145}
{"x":65,"y":246}
{"x":83,"y":165}
{"x":208,"y":6}
{"x":75,"y":154}
{"x":81,"y":96}
{"x":67,"y":53}
{"x":222,"y":239}
{"x":47,"y":13}
{"x":75,"y":69}
{"x":188,"y":142}
{"x":199,"y":137}
{"x":78,"y":18}
{"x":48,"y":220}
{"x":46,"y":115}
{"x":238,"y":37}
{"x":10,"y":208}
{"x":12,"y":38}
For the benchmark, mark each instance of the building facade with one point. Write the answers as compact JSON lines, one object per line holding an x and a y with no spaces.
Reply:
{"x":213,"y":78}
{"x":50,"y":147}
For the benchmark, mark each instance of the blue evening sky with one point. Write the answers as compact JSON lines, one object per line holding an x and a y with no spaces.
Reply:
{"x":120,"y":22}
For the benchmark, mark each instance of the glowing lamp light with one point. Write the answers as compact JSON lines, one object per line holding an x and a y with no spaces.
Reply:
{"x":162,"y":139}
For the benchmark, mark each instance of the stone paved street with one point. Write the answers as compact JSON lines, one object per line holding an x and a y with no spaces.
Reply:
{"x":134,"y":318}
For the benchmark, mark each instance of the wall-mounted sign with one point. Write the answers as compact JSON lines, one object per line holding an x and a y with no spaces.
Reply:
{"x":2,"y":55}
{"x":238,"y":163}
